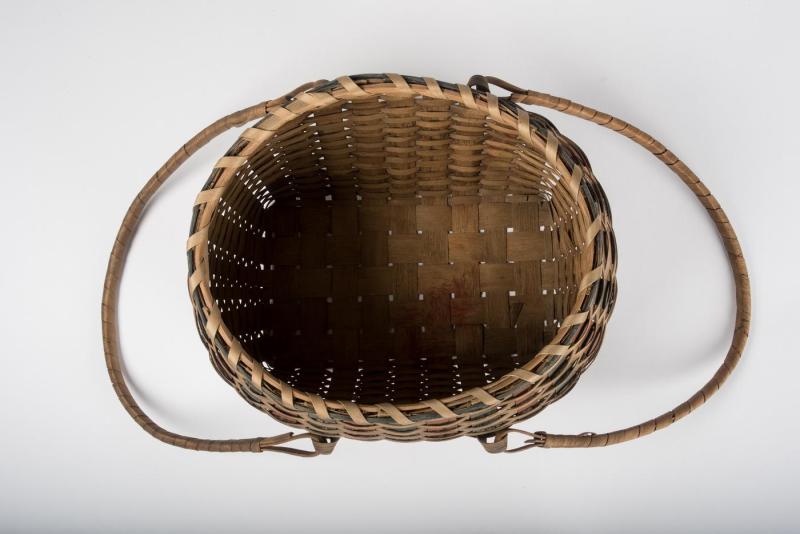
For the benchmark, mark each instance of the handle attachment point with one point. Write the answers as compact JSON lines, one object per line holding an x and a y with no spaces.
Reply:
{"x":322,"y":445}
{"x":499,"y":442}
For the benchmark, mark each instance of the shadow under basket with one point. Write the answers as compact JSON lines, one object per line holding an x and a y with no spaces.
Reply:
{"x":392,"y":257}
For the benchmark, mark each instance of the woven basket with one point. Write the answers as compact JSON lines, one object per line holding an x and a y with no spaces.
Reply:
{"x":392,"y":257}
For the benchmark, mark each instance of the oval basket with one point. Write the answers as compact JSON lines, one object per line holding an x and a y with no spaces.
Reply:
{"x":393,"y":257}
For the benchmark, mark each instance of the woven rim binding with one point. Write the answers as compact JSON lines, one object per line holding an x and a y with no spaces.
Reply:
{"x":477,"y":411}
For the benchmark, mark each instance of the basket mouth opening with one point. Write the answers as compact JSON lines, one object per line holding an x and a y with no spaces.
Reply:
{"x":379,"y":251}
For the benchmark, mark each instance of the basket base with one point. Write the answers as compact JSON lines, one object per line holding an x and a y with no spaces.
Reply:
{"x":397,"y":302}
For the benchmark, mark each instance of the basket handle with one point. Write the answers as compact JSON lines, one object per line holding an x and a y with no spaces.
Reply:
{"x":499,"y":441}
{"x":116,"y":264}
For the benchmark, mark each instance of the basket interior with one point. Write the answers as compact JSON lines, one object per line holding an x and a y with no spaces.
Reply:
{"x":394,"y":250}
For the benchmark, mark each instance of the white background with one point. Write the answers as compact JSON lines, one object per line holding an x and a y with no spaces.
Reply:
{"x":95,"y":96}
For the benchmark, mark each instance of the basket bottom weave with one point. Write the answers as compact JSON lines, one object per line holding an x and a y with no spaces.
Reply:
{"x":398,"y":302}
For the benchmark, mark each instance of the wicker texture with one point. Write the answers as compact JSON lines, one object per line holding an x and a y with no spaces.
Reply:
{"x":391,"y":257}
{"x":395,"y":260}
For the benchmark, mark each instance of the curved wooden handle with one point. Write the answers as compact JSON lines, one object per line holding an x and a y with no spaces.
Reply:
{"x":729,"y":239}
{"x":116,"y":265}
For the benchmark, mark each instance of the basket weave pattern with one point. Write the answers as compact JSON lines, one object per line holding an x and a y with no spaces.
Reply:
{"x":388,"y":257}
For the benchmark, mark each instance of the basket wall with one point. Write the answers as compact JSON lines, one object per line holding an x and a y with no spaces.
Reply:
{"x":394,"y":257}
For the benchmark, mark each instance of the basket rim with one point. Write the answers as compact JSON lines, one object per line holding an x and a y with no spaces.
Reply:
{"x":561,"y":153}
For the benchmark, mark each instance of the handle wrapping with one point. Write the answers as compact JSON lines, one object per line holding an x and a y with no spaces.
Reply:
{"x":730,"y":242}
{"x":116,"y":265}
